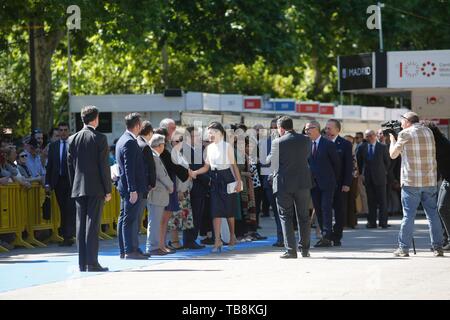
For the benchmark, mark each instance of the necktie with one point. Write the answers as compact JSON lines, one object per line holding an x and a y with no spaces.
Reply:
{"x":314,"y":149}
{"x":370,"y":152}
{"x":63,"y":164}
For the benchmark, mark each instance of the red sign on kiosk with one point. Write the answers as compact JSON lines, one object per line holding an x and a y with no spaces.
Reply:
{"x":252,"y":103}
{"x":308,"y":107}
{"x":327,"y":109}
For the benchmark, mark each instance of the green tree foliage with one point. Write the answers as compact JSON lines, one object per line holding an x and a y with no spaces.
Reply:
{"x":285,"y":48}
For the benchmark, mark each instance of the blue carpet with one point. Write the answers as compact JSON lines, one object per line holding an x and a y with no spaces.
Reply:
{"x":16,"y":273}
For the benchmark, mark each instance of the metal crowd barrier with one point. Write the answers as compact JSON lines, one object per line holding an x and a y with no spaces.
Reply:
{"x":21,"y":210}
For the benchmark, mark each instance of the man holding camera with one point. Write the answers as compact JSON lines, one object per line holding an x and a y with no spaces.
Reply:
{"x":418,"y":181}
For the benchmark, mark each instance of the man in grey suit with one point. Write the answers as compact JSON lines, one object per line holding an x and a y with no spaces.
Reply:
{"x":373,"y":163}
{"x":90,"y":180}
{"x":291,"y":185}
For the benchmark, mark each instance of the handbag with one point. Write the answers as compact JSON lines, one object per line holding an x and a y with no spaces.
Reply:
{"x":47,"y":208}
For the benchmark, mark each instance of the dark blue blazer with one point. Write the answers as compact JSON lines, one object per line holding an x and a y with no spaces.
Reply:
{"x":344,"y":151}
{"x":133,"y":172}
{"x":375,"y":169}
{"x":325,"y":165}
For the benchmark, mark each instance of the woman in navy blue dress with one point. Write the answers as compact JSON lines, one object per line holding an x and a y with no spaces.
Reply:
{"x":220,"y":159}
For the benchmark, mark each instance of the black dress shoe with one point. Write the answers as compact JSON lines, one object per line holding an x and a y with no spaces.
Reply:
{"x":322,"y":243}
{"x":278,"y":244}
{"x":82,"y":268}
{"x":122,"y":256}
{"x":288,"y":255}
{"x":194,"y":246}
{"x":305,"y":254}
{"x":135,"y":256}
{"x":337,"y":243}
{"x":371,"y":226}
{"x":96,"y":268}
{"x":66,"y":243}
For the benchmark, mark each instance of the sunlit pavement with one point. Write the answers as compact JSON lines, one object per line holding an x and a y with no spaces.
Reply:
{"x":363,"y":268}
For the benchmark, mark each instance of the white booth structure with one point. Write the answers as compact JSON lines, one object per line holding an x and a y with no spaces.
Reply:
{"x":421,"y":76}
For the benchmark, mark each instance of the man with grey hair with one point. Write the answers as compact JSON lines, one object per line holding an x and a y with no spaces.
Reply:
{"x":373,"y":163}
{"x":170,"y":126}
{"x":324,"y":165}
{"x":418,"y":180}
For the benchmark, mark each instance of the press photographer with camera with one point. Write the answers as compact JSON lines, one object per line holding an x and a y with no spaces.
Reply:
{"x":418,"y":180}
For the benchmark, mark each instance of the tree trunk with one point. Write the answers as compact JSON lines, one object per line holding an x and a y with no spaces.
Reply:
{"x":165,"y":66}
{"x":45,"y":46}
{"x":318,"y":83}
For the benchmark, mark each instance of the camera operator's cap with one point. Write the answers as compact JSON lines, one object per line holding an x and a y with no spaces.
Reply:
{"x":410,"y":115}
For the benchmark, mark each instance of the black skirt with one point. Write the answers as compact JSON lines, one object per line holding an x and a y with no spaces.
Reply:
{"x":223,"y":205}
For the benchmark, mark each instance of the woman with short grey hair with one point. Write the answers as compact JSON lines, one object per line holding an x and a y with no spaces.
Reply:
{"x":158,"y":198}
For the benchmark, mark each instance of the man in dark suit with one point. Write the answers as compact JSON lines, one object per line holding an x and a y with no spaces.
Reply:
{"x":143,"y":141}
{"x":344,"y":177}
{"x":132,"y":185}
{"x":90,"y":178}
{"x":324,"y":165}
{"x":193,"y":152}
{"x":291,"y":185}
{"x":57,"y":178}
{"x":265,"y":146}
{"x":373,"y":163}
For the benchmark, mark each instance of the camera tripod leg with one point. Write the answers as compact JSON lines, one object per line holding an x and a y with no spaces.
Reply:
{"x":414,"y":245}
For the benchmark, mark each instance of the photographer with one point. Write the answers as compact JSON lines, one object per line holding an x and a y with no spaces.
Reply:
{"x":418,"y":181}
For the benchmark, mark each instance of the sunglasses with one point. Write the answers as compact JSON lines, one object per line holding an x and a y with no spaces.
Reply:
{"x":23,"y":156}
{"x":37,"y":131}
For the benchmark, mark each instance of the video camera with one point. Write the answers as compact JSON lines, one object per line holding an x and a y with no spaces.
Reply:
{"x":393,"y":126}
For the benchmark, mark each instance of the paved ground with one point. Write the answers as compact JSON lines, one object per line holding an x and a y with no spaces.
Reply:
{"x":363,"y":268}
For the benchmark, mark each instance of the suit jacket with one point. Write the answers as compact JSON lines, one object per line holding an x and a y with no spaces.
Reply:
{"x":173,"y":169}
{"x":375,"y":169}
{"x":325,"y":165}
{"x":289,"y":158}
{"x":132,"y":171}
{"x":54,"y":164}
{"x":149,"y":162}
{"x":87,"y":158}
{"x":344,"y":151}
{"x":159,"y":196}
{"x":200,"y":186}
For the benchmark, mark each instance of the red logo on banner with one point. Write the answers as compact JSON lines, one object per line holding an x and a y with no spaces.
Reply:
{"x":252,"y":103}
{"x":308,"y":107}
{"x":428,"y":68}
{"x":327,"y":110}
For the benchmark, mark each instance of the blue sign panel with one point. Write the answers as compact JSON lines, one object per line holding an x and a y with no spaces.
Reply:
{"x":284,"y":105}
